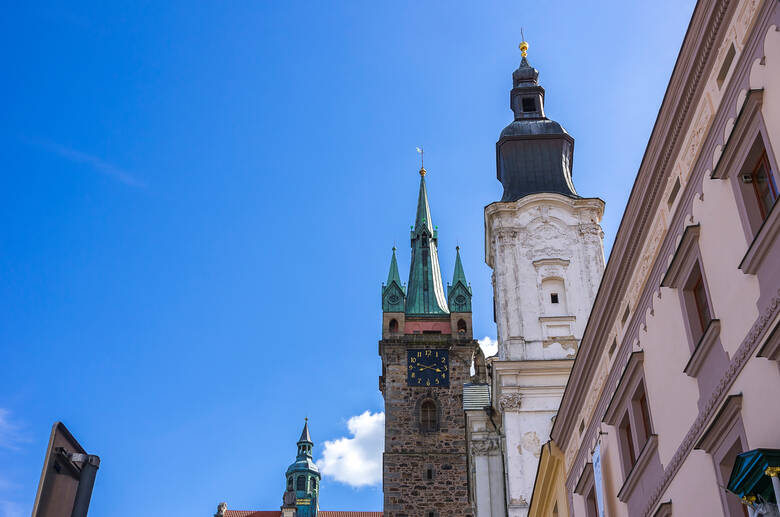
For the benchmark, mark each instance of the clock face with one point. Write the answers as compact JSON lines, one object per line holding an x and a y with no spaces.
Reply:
{"x":428,"y":368}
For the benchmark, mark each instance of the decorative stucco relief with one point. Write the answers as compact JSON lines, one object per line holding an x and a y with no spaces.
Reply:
{"x":483,"y":447}
{"x":510,"y":401}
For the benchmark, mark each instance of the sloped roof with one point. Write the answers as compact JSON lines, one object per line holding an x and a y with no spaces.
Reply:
{"x":278,"y":513}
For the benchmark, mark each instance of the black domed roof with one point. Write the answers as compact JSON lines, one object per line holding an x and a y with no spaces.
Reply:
{"x":533,"y":154}
{"x":542,"y":126}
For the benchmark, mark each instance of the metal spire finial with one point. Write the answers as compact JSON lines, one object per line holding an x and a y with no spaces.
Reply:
{"x":422,"y":160}
{"x":523,"y":44}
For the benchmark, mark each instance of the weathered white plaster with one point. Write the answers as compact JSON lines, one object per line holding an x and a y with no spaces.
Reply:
{"x":547,"y":255}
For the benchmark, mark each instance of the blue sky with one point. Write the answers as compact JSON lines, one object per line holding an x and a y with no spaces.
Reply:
{"x":199,"y":201}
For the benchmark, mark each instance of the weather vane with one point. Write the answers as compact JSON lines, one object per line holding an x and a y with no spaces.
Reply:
{"x":523,"y":44}
{"x":422,"y":160}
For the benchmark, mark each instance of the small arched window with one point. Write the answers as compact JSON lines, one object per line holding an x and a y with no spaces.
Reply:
{"x":461,"y":326}
{"x":393,"y":325}
{"x":428,"y":416}
{"x":289,"y":483}
{"x":314,"y":484}
{"x":301,"y":483}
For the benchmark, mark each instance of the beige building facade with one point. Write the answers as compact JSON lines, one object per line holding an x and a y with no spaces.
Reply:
{"x":678,"y":370}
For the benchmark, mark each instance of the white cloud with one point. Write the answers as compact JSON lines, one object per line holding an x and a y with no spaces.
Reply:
{"x":489,"y":346}
{"x":356,"y":461}
{"x":94,"y":162}
{"x":10,"y":435}
{"x":10,"y":509}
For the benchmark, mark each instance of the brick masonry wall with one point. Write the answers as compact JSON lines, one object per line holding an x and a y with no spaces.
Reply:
{"x":410,"y":452}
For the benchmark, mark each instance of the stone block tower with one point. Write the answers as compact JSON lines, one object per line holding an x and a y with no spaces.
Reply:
{"x":544,"y":244}
{"x":426,"y":349}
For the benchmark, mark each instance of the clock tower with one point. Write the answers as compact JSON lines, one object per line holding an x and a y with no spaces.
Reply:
{"x":426,"y":348}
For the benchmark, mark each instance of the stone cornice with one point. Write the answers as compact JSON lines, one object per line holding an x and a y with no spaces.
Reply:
{"x":750,"y":109}
{"x":703,"y":348}
{"x":538,"y":367}
{"x":639,"y":467}
{"x":674,"y":273}
{"x":682,"y":94}
{"x":762,"y":243}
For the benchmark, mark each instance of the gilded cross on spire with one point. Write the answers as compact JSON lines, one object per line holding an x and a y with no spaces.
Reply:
{"x":523,"y":44}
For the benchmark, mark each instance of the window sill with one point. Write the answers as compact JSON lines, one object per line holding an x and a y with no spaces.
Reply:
{"x":651,"y":445}
{"x":703,"y":348}
{"x":762,"y":243}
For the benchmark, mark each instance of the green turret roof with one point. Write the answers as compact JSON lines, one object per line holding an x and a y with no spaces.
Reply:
{"x":458,"y":275}
{"x":393,"y":275}
{"x":459,"y":291}
{"x":425,"y":292}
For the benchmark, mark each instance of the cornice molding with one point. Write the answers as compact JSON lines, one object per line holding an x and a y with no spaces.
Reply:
{"x":677,"y":269}
{"x":771,"y":349}
{"x":651,"y":445}
{"x":737,"y":138}
{"x":720,"y":424}
{"x":702,"y":349}
{"x":762,"y":243}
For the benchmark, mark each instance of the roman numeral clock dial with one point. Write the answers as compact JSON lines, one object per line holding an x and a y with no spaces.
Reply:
{"x":428,"y":368}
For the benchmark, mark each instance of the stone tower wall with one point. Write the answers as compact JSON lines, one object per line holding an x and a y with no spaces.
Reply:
{"x":409,"y":452}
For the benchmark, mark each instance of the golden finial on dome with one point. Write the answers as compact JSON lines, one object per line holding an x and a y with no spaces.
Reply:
{"x":523,"y":44}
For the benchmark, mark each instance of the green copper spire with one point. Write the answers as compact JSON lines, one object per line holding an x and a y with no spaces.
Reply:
{"x":303,"y":478}
{"x":459,"y":292}
{"x":425,"y":292}
{"x":393,"y":275}
{"x":393,"y":294}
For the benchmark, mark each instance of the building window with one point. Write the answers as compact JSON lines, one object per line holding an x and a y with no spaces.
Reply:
{"x":314,"y":484}
{"x":765,"y":185}
{"x":591,"y":507}
{"x":461,"y":326}
{"x":586,"y":488}
{"x":289,"y":483}
{"x":757,"y":184}
{"x":393,"y":325}
{"x":724,"y":439}
{"x":634,"y":428}
{"x":301,"y":483}
{"x":629,"y":413}
{"x":697,"y":303}
{"x":554,"y":293}
{"x":428,"y":416}
{"x":529,"y":104}
{"x":429,"y":474}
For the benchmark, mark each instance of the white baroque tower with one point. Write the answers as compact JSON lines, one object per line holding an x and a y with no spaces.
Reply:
{"x":545,"y":246}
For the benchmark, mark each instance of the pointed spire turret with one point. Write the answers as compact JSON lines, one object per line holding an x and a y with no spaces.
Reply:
{"x":393,"y":293}
{"x":458,"y":275}
{"x":423,"y":217}
{"x":459,"y":292}
{"x":303,"y":479}
{"x":425,"y":292}
{"x":305,"y":437}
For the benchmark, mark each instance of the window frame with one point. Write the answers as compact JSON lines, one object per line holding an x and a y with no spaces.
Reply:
{"x":626,"y":413}
{"x":720,"y":437}
{"x":425,"y":429}
{"x":748,"y":127}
